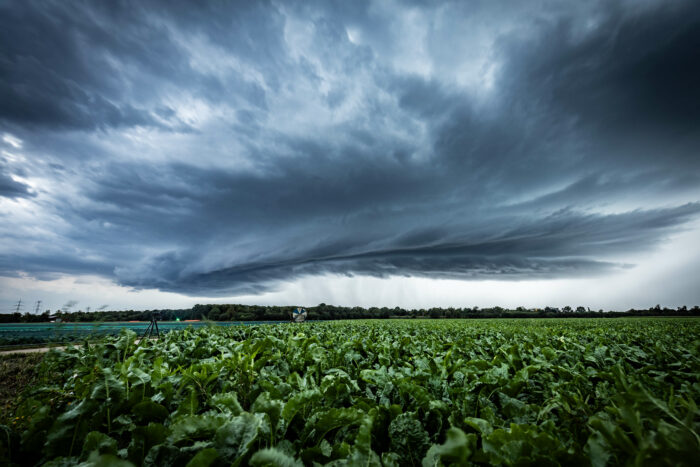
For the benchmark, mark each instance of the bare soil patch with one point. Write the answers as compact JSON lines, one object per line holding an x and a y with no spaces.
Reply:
{"x":17,"y":371}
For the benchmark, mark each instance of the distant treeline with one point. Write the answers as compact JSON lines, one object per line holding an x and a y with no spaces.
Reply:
{"x":92,"y":316}
{"x":217,"y":312}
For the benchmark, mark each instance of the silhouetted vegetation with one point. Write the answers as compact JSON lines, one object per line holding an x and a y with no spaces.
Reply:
{"x":233,"y":312}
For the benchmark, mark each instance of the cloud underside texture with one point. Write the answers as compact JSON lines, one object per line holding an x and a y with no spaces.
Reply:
{"x":222,"y":150}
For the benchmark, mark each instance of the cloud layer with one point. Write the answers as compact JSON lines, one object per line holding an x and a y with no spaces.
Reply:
{"x":222,"y":150}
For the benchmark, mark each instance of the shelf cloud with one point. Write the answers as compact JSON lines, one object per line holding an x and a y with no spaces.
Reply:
{"x":224,"y":149}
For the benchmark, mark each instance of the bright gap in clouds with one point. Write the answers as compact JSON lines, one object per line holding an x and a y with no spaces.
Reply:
{"x":12,"y":141}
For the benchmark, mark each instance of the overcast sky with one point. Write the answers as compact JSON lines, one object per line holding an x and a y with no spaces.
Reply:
{"x":153,"y":154}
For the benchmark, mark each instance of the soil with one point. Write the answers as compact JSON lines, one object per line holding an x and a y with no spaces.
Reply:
{"x":17,"y":371}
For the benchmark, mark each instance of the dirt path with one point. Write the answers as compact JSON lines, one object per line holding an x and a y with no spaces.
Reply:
{"x":30,"y":350}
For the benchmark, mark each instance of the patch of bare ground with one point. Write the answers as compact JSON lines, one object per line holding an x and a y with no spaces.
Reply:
{"x":17,"y":371}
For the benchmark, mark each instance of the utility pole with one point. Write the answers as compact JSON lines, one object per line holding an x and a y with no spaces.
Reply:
{"x":38,"y":307}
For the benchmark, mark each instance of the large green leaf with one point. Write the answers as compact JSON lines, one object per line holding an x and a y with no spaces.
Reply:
{"x":272,"y":408}
{"x":235,"y":439}
{"x":99,"y":442}
{"x":520,"y":444}
{"x":273,"y":458}
{"x":105,"y":460}
{"x":322,"y":422}
{"x":227,"y":402}
{"x":456,"y":449}
{"x":408,"y":438}
{"x":143,"y":438}
{"x":362,"y":453}
{"x":204,"y":458}
{"x":300,"y":401}
{"x":188,"y":428}
{"x":148,"y":411}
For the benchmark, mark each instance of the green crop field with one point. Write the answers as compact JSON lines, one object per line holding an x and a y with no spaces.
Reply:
{"x":14,"y":334}
{"x":390,"y":392}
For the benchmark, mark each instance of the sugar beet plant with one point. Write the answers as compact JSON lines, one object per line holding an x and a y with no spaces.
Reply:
{"x":508,"y":392}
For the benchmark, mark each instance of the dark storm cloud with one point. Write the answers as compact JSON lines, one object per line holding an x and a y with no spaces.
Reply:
{"x":10,"y":188}
{"x":554,"y":249}
{"x":226,"y":148}
{"x":81,"y":65}
{"x":51,"y":264}
{"x":56,"y":70}
{"x":630,"y":87}
{"x":638,"y":74}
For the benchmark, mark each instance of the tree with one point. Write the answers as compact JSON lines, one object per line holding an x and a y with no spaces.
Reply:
{"x":214,"y":314}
